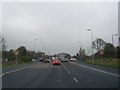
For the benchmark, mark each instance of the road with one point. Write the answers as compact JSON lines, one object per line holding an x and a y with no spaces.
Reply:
{"x":67,"y":75}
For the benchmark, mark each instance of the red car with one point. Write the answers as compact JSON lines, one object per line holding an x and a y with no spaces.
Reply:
{"x":56,"y":62}
{"x":73,"y":59}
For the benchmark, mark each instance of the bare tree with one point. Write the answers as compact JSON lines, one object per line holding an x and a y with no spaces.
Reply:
{"x":81,"y":53}
{"x":0,"y":49}
{"x":98,"y":44}
{"x":2,"y":43}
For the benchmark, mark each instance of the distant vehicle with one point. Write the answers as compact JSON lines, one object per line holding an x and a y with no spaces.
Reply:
{"x":46,"y":61}
{"x":56,"y":61}
{"x":73,"y":59}
{"x":61,"y":56}
{"x":65,"y":60}
{"x":41,"y":59}
{"x":33,"y":60}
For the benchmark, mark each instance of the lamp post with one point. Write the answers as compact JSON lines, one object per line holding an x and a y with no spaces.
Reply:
{"x":80,"y":49}
{"x":92,"y":44}
{"x":113,"y":38}
{"x":114,"y":50}
{"x":34,"y":47}
{"x":44,"y":48}
{"x":119,"y":41}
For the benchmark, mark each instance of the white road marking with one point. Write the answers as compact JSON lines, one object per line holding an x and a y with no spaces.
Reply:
{"x":12,"y":71}
{"x":109,"y":73}
{"x":69,"y":72}
{"x":75,"y":79}
{"x":1,"y":75}
{"x":65,"y":68}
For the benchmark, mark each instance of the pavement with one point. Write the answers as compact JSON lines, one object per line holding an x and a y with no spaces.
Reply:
{"x":66,"y":75}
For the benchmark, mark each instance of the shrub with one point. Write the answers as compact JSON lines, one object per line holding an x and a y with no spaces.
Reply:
{"x":25,"y":58}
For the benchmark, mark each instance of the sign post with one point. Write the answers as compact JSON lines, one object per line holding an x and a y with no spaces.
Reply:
{"x":101,"y":52}
{"x":16,"y":54}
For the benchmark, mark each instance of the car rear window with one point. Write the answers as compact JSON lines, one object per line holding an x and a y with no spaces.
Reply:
{"x":56,"y":59}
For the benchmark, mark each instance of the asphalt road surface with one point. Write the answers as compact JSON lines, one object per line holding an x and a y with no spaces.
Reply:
{"x":67,"y":75}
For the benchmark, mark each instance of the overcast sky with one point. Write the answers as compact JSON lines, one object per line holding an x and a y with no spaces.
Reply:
{"x":60,"y":27}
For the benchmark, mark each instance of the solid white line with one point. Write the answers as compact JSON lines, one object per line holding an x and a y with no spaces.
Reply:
{"x":112,"y":74}
{"x":12,"y":71}
{"x":69,"y":72}
{"x":75,"y":79}
{"x":1,"y":75}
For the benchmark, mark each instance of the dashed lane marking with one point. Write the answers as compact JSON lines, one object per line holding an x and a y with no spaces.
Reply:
{"x":69,"y":72}
{"x":65,"y":68}
{"x":75,"y":80}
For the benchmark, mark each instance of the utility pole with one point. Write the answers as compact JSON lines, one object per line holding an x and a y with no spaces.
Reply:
{"x":92,"y":44}
{"x":16,"y":54}
{"x":114,"y":50}
{"x":34,"y":47}
{"x":80,"y":50}
{"x":113,"y":39}
{"x":80,"y":53}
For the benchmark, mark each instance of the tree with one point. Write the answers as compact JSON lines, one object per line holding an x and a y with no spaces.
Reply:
{"x":74,"y":56}
{"x":30,"y":53}
{"x":118,"y":51}
{"x":98,"y":44}
{"x":2,"y":49}
{"x":11,"y":52}
{"x":81,"y":54}
{"x":40,"y":54}
{"x":109,"y":50}
{"x":67,"y":56}
{"x":22,"y":51}
{"x":77,"y":56}
{"x":2,"y":43}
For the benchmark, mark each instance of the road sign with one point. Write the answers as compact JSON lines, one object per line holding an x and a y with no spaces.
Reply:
{"x":16,"y":52}
{"x":101,"y":52}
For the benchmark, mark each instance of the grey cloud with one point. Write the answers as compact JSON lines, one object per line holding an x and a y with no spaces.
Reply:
{"x":61,"y":24}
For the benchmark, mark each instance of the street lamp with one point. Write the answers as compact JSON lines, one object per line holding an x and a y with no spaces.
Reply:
{"x":44,"y":48}
{"x":34,"y":47}
{"x":113,"y":39}
{"x":113,"y":42}
{"x":80,"y":49}
{"x":92,"y":44}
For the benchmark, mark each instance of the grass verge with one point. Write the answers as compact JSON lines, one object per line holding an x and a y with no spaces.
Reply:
{"x":114,"y":63}
{"x":12,"y":65}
